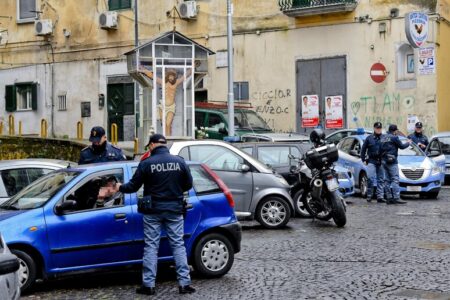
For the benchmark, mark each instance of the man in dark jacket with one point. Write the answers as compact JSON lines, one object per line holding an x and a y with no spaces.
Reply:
{"x":390,"y":143}
{"x":371,"y":156}
{"x":100,"y":150}
{"x":418,"y":137}
{"x":165,"y":178}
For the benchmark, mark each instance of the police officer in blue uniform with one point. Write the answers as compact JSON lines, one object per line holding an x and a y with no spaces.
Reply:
{"x":418,"y":137}
{"x":100,"y":150}
{"x":165,"y":178}
{"x":390,"y":143}
{"x":371,"y":156}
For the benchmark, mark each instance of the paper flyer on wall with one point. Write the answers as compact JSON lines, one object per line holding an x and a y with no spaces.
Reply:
{"x":310,"y":111}
{"x":334,"y":112}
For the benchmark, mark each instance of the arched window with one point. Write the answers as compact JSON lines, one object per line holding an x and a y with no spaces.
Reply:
{"x":405,"y":62}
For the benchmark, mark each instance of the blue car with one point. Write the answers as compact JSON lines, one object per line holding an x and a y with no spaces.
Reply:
{"x":419,"y":173}
{"x":57,"y":226}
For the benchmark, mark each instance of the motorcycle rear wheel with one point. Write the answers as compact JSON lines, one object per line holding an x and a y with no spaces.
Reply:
{"x":338,"y":212}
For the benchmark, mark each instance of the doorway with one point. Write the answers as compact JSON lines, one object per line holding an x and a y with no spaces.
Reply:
{"x":120,"y":102}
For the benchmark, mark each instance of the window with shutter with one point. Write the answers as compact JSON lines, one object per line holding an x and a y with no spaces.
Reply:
{"x":34,"y":96}
{"x":119,"y":4}
{"x":26,"y":11}
{"x":10,"y":98}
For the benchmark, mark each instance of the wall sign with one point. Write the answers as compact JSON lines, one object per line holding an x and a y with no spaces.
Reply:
{"x":310,"y":111}
{"x":427,"y":61}
{"x":416,"y":25}
{"x":378,"y":72}
{"x":334,"y":112}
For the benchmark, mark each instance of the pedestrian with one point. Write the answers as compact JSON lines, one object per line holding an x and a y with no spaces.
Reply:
{"x":165,"y":178}
{"x":390,"y":143}
{"x":418,"y":137}
{"x":100,"y":150}
{"x":371,"y":156}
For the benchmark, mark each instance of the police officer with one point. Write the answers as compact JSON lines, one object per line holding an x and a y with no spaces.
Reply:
{"x":165,"y":178}
{"x":390,"y":143}
{"x":418,"y":137}
{"x":100,"y":150}
{"x":371,"y":156}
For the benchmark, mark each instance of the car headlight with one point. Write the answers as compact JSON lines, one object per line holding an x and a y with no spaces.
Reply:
{"x":435,"y":170}
{"x":342,"y":175}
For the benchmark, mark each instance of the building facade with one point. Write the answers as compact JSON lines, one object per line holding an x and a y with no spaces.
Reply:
{"x":283,"y":50}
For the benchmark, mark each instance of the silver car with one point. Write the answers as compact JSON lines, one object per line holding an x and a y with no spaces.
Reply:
{"x":17,"y":174}
{"x":258,"y":191}
{"x":9,"y":275}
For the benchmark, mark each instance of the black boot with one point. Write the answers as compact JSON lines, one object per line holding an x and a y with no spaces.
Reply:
{"x":144,"y":290}
{"x":187,"y":289}
{"x":389,"y":201}
{"x":398,"y":201}
{"x":381,"y":200}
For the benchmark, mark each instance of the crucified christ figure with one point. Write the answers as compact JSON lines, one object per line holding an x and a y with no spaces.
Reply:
{"x":171,"y":84}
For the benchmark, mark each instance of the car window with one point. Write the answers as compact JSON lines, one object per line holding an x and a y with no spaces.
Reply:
{"x":14,"y":180}
{"x":346,"y":145}
{"x":199,"y":119}
{"x":248,"y":150}
{"x":249,"y":139}
{"x":412,"y":150}
{"x":295,"y":152}
{"x":275,"y":156}
{"x":216,"y":157}
{"x":336,"y":137}
{"x":215,"y":121}
{"x":356,"y":146}
{"x":435,"y":146}
{"x":184,"y":153}
{"x":87,"y":195}
{"x":203,"y":182}
{"x":36,"y":173}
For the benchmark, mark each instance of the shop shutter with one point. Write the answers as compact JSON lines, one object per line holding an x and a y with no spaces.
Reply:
{"x":10,"y":98}
{"x":34,"y":96}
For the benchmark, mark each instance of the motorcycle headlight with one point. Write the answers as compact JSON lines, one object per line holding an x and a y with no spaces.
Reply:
{"x":342,"y":176}
{"x":435,"y":170}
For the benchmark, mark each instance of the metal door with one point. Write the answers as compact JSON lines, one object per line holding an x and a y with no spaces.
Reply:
{"x":323,"y":77}
{"x":120,"y":102}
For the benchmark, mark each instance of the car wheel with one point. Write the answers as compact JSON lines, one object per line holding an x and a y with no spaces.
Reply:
{"x":27,"y":270}
{"x":300,"y":208}
{"x":363,"y":184}
{"x":213,"y":255}
{"x":273,"y":212}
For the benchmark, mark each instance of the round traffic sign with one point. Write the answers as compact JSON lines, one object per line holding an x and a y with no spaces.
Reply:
{"x":378,"y":72}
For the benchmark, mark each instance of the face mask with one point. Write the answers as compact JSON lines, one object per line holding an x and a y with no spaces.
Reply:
{"x":99,"y":148}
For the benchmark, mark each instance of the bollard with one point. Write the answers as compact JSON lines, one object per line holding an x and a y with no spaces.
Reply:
{"x":20,"y":128}
{"x":79,"y":130}
{"x":44,"y":127}
{"x":1,"y":128}
{"x":114,"y":138}
{"x":136,"y":146}
{"x":11,"y":125}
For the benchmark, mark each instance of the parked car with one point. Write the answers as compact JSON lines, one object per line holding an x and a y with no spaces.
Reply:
{"x":276,"y":156}
{"x":57,"y":226}
{"x":259,"y":192}
{"x":419,"y":174}
{"x":338,"y":135}
{"x":9,"y":273}
{"x":214,"y":120}
{"x":274,"y":137}
{"x":440,"y":142}
{"x":17,"y":174}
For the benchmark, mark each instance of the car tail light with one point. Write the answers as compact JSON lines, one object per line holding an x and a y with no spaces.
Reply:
{"x":221,"y":184}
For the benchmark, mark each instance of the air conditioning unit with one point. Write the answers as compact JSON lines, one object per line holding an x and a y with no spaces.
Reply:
{"x":43,"y":27}
{"x":108,"y":20}
{"x":188,"y":9}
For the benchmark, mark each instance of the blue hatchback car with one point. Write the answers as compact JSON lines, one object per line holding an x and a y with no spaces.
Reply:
{"x":57,"y":225}
{"x":419,"y":173}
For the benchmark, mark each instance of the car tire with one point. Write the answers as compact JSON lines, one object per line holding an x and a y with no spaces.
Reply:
{"x":299,"y":204}
{"x":273,"y":212}
{"x":213,"y":255}
{"x":27,"y":270}
{"x":363,"y":184}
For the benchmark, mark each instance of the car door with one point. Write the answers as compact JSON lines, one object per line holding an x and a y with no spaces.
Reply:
{"x":228,"y":165}
{"x":275,"y":156}
{"x":215,"y":126}
{"x":191,"y":220}
{"x":90,"y":236}
{"x":434,"y":151}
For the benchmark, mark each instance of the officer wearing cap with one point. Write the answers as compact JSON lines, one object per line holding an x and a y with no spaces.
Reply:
{"x":165,"y":178}
{"x":390,"y":143}
{"x":371,"y":156}
{"x":100,"y":150}
{"x":418,"y":137}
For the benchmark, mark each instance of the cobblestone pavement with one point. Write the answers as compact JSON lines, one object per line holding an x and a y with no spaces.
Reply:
{"x":384,"y":252}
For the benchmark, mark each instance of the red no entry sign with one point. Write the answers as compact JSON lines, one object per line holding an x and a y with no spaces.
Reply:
{"x":378,"y":72}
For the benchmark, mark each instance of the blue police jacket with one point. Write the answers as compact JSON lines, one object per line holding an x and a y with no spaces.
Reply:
{"x":390,"y":144}
{"x":111,"y":153}
{"x":371,"y":149}
{"x":419,"y":138}
{"x":165,"y":178}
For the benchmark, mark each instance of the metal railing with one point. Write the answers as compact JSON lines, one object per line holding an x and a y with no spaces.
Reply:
{"x":79,"y":130}
{"x":114,"y":134}
{"x":295,"y":4}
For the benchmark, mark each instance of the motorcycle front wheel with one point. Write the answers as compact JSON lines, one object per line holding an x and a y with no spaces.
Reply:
{"x":338,"y":209}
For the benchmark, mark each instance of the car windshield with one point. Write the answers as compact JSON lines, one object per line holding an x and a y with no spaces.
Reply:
{"x":445,"y":144}
{"x":40,"y":191}
{"x":412,"y":150}
{"x":248,"y":120}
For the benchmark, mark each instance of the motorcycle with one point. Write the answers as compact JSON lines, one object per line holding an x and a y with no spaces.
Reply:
{"x":321,"y":197}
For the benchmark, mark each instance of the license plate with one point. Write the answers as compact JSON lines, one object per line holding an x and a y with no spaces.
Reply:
{"x":413,"y":188}
{"x":332,"y":184}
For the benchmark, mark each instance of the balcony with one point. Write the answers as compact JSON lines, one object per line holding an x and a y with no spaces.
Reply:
{"x":299,"y":8}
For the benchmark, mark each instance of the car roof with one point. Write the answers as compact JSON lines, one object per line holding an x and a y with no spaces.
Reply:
{"x":282,"y":137}
{"x":22,"y":163}
{"x":442,"y":134}
{"x":267,"y":143}
{"x":119,"y":164}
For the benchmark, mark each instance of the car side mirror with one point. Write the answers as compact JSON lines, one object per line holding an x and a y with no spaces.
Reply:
{"x":245,"y":168}
{"x":354,"y":153}
{"x":434,"y":153}
{"x":68,"y":204}
{"x":8,"y":264}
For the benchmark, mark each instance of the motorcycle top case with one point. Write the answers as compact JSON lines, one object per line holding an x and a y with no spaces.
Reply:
{"x":317,"y":158}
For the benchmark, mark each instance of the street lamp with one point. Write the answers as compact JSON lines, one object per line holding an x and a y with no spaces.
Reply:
{"x":230,"y":68}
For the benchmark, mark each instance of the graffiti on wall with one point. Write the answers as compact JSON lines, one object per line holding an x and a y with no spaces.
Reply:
{"x":392,"y":108}
{"x":274,"y":106}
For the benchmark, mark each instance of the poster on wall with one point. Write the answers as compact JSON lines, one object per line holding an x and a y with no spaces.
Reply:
{"x":427,"y":62}
{"x":310,"y":111}
{"x":334,"y":112}
{"x":411,"y":125}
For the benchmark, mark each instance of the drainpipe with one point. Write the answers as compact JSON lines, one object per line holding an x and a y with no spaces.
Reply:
{"x":230,"y":68}
{"x":52,"y":99}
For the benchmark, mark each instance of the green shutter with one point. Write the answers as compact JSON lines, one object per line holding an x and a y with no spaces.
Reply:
{"x":114,"y":4}
{"x":125,"y":4}
{"x":10,"y":98}
{"x":34,"y":96}
{"x":129,"y":98}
